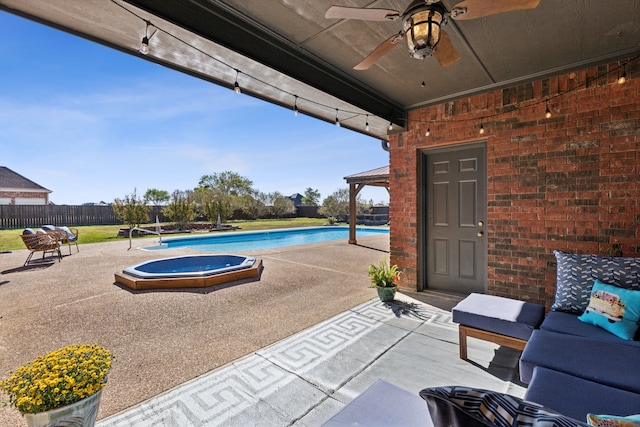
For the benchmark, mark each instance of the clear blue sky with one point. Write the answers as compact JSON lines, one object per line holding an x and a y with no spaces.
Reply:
{"x":92,"y":124}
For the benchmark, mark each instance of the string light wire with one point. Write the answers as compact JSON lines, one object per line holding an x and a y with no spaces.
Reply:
{"x":254,"y":78}
{"x":621,"y":79}
{"x":548,"y":113}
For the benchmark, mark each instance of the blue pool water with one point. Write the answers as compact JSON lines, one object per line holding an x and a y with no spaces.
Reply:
{"x":253,"y":240}
{"x":190,"y":266}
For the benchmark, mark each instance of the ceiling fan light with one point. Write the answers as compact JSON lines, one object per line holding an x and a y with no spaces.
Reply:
{"x":422,"y":29}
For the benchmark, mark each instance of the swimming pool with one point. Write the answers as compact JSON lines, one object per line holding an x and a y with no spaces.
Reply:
{"x":254,"y":240}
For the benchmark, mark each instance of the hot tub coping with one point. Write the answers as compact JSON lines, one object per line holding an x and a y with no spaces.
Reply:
{"x":137,"y":283}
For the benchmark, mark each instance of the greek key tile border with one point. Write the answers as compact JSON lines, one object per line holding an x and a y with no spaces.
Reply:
{"x":217,"y":397}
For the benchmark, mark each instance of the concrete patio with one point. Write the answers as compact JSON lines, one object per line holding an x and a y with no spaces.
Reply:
{"x":289,"y":349}
{"x":307,"y":378}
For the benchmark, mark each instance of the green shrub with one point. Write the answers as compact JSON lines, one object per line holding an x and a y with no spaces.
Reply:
{"x":132,"y":210}
{"x":180,"y":210}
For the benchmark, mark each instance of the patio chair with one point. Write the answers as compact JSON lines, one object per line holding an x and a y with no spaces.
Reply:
{"x":41,"y":242}
{"x":66,"y":235}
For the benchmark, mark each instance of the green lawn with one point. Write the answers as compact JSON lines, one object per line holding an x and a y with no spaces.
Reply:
{"x":10,"y":239}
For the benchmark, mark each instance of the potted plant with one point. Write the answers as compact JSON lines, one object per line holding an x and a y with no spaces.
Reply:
{"x":384,"y":278}
{"x":62,"y":387}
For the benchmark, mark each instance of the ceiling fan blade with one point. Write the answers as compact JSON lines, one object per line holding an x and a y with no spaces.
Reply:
{"x":445,"y":53}
{"x":472,"y":9}
{"x":382,"y":49}
{"x":340,"y":12}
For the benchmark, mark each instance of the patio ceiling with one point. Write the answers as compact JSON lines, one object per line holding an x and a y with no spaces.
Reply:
{"x":288,"y":53}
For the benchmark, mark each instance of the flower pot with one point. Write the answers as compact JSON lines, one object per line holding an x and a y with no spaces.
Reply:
{"x":387,"y":293}
{"x":79,"y":414}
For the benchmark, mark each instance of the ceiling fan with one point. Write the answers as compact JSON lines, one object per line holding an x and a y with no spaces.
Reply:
{"x":422,"y":23}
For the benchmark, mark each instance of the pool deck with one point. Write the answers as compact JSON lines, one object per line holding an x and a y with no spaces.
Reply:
{"x":291,"y":348}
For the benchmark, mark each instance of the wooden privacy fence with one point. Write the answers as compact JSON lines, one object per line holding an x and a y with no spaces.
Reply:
{"x":35,"y":216}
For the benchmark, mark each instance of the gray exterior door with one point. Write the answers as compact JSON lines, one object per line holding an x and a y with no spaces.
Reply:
{"x":455,"y":230}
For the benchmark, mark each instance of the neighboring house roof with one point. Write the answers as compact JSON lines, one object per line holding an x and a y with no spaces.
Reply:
{"x":296,"y":198}
{"x":12,"y":181}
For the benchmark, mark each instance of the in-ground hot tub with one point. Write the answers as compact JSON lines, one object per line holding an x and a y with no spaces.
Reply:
{"x":190,"y":271}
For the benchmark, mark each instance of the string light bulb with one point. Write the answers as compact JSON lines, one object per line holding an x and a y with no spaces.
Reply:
{"x":144,"y":45}
{"x":481,"y":128}
{"x":295,"y":107}
{"x":390,"y":126}
{"x":428,"y":132}
{"x":236,"y":86}
{"x":366,"y":124}
{"x":547,"y":112}
{"x":623,"y":77}
{"x":337,"y":120}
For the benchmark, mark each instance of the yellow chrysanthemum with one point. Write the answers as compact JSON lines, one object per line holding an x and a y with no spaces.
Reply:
{"x":59,"y":378}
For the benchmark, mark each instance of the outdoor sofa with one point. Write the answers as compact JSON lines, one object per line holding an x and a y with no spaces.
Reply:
{"x":585,"y":358}
{"x":583,"y":363}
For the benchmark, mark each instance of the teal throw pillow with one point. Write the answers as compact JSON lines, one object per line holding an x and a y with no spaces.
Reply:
{"x":614,"y":309}
{"x":613,"y":421}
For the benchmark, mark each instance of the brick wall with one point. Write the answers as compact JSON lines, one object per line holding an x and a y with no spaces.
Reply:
{"x":568,"y":182}
{"x":13,"y":195}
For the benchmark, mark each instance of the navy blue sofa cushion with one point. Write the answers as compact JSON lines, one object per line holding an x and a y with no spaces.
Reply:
{"x":567,"y":323}
{"x":576,"y":397}
{"x":503,"y":316}
{"x":601,"y":361}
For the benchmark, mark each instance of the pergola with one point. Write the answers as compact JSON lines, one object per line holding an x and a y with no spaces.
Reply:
{"x":377,"y":177}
